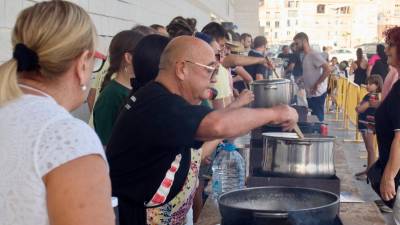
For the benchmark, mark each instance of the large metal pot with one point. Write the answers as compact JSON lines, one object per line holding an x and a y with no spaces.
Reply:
{"x":286,"y":154}
{"x":279,"y":205}
{"x":272,"y":92}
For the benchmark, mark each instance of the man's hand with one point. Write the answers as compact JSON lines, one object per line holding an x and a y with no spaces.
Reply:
{"x":387,"y":188}
{"x":286,"y":116}
{"x":245,"y":98}
{"x":314,"y":89}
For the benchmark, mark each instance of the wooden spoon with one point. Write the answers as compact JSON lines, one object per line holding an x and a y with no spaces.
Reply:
{"x":298,"y":131}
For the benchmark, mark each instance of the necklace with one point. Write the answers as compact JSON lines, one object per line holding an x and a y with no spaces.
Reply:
{"x":34,"y":89}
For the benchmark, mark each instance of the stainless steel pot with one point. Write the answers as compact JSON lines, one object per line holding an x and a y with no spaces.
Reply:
{"x":272,"y":92}
{"x":278,"y":205}
{"x":286,"y":154}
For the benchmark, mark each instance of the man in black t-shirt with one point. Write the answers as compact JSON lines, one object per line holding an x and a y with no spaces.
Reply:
{"x":153,"y":151}
{"x":295,"y":63}
{"x":286,"y":56}
{"x":258,"y":71}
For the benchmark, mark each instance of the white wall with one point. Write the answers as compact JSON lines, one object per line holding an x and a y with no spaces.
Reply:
{"x":112,"y":16}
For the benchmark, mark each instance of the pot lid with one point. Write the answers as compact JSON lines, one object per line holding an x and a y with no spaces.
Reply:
{"x":294,"y":136}
{"x":270,"y":81}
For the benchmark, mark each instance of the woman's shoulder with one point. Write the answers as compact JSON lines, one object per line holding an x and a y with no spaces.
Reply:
{"x":63,"y":140}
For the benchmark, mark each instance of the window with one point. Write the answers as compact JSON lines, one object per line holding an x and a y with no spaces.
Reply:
{"x":276,"y":35}
{"x":288,"y":23}
{"x":266,"y":33}
{"x":321,"y":9}
{"x":268,"y":24}
{"x":292,"y":13}
{"x":344,"y":10}
{"x":268,"y":14}
{"x":297,"y":22}
{"x":276,"y":24}
{"x":297,"y":4}
{"x":291,"y":4}
{"x":288,"y":33}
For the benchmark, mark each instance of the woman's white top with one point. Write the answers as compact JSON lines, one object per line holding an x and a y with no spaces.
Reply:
{"x":36,"y":136}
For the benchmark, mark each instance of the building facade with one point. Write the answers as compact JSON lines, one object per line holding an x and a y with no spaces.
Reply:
{"x":112,"y":16}
{"x":336,"y":23}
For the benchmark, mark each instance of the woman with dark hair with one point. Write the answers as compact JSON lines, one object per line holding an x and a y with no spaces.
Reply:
{"x":359,"y":68}
{"x":384,"y":174}
{"x":145,"y":64}
{"x":381,"y":66}
{"x":114,"y":91}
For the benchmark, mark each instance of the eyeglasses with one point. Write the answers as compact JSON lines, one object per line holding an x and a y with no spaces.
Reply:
{"x":99,"y":61}
{"x":211,"y":70}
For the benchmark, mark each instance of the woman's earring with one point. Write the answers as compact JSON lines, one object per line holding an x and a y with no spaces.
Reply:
{"x":83,"y":87}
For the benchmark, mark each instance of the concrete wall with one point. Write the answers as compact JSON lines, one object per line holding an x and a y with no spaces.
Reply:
{"x":112,"y":16}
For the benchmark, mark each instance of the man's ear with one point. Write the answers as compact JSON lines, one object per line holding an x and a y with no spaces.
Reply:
{"x":181,"y":70}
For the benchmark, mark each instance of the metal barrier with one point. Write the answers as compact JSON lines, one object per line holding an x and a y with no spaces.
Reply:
{"x":353,"y":98}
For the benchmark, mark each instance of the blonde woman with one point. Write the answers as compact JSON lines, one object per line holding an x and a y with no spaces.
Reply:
{"x":52,"y":166}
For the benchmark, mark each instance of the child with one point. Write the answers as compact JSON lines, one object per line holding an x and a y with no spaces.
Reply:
{"x":366,"y":123}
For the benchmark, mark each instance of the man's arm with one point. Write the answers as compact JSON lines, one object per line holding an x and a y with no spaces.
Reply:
{"x":227,"y":123}
{"x":241,"y":60}
{"x":325,"y":74}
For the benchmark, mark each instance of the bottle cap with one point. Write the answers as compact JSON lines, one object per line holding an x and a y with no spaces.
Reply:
{"x":229,"y":147}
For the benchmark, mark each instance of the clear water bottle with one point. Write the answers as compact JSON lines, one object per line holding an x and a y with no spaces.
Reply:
{"x":228,"y":171}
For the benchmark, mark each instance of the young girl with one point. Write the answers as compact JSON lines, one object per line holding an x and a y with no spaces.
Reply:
{"x":366,"y":112}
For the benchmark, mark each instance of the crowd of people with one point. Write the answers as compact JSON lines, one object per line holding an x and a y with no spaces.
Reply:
{"x":164,"y":100}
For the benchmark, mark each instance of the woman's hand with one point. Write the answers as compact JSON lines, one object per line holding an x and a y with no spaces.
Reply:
{"x":387,"y":188}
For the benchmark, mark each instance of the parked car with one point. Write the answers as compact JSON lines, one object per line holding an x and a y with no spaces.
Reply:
{"x":343,"y":54}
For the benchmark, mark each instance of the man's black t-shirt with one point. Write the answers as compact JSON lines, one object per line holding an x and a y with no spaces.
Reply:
{"x":298,"y":65}
{"x":152,"y":129}
{"x":255,"y":69}
{"x":387,"y":119}
{"x":286,"y":59}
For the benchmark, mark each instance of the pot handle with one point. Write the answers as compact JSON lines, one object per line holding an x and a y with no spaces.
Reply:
{"x":271,"y":215}
{"x":271,"y":87}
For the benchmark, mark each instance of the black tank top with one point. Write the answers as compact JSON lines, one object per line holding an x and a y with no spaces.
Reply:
{"x":360,"y":75}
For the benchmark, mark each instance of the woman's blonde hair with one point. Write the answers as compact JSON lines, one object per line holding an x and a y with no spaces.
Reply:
{"x":58,"y":32}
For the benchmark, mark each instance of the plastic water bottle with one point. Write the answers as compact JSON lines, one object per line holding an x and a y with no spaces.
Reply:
{"x":228,"y":171}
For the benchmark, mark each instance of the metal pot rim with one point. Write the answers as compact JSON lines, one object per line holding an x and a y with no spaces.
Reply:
{"x":281,"y":187}
{"x":307,"y":138}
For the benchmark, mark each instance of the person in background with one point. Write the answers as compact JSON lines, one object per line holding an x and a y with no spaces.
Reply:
{"x":381,"y":66}
{"x":258,"y":71}
{"x":315,"y":73}
{"x":334,"y":66}
{"x":387,"y":125}
{"x":285,"y":56}
{"x":53,"y":167}
{"x":145,"y":64}
{"x":359,"y":68}
{"x":390,"y":80}
{"x":181,"y":26}
{"x":99,"y":76}
{"x":325,"y":53}
{"x":115,"y":90}
{"x":246,"y":40}
{"x":295,"y":63}
{"x":154,"y":152}
{"x":224,"y":81}
{"x":373,"y":59}
{"x":160,"y":29}
{"x":366,"y":115}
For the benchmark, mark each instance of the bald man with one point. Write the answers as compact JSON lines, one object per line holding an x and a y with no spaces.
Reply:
{"x":154,"y":153}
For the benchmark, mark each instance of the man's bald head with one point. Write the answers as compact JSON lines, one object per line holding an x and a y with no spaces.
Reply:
{"x":184,"y":48}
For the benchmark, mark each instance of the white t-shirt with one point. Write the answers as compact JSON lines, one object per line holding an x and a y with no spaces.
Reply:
{"x":36,"y":136}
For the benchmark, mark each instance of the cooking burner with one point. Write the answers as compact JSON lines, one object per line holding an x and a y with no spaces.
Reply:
{"x":337,"y":221}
